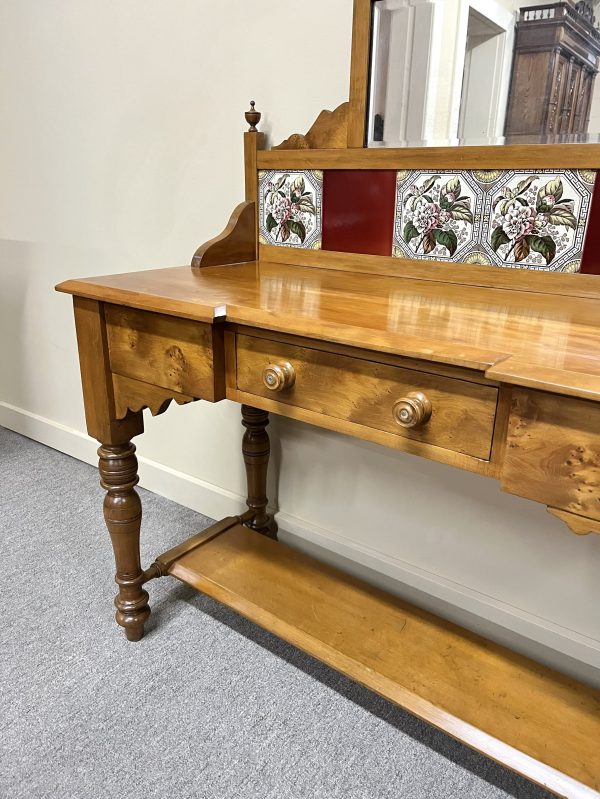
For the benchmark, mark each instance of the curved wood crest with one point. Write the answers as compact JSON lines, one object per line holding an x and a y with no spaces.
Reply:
{"x":328,"y":132}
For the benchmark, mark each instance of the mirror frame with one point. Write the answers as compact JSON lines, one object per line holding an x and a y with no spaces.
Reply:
{"x":360,"y":63}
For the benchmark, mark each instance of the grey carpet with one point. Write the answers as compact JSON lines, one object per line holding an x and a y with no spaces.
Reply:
{"x":207,"y":706}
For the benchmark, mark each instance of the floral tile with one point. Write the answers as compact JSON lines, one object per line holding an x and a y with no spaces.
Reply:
{"x":538,"y":220}
{"x":438,"y":216}
{"x":510,"y":218}
{"x":289,"y":205}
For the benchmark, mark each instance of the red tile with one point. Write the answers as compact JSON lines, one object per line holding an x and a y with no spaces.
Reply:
{"x":590,"y":258}
{"x":358,"y":210}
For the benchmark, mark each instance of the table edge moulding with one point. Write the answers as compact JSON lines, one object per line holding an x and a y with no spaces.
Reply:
{"x":489,"y":369}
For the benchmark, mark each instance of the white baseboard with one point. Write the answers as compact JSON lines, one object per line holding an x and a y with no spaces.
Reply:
{"x":558,"y":646}
{"x":199,"y":495}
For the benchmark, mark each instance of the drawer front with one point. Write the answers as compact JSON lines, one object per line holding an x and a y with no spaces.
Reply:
{"x":553,"y":451}
{"x":365,"y":392}
{"x":173,"y":353}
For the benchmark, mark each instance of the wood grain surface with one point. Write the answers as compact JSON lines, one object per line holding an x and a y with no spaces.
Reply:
{"x":363,"y":392}
{"x":329,"y":130}
{"x":476,"y":327}
{"x":134,"y":395}
{"x":359,"y":72}
{"x":575,"y":285}
{"x":102,"y":420}
{"x":553,"y":452}
{"x":509,"y":156}
{"x":530,"y":718}
{"x":237,"y":242}
{"x":175,"y":354}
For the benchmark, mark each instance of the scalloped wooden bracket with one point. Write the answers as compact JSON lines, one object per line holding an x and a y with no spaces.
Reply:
{"x":236,"y":244}
{"x":134,"y":395}
{"x":580,"y":525}
{"x":328,"y":132}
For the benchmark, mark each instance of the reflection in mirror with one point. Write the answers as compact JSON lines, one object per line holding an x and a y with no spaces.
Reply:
{"x":446,"y":72}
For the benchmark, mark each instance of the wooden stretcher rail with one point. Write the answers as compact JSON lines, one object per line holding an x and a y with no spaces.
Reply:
{"x":536,"y":721}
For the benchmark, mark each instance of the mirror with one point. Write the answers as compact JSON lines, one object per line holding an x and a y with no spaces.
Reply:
{"x":448,"y":72}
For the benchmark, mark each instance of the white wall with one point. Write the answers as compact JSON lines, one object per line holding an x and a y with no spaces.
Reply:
{"x":121,"y":149}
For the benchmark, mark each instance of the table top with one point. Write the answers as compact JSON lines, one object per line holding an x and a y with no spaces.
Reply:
{"x":526,"y":338}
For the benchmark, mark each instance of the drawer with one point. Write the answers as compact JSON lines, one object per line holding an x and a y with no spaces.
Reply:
{"x":553,"y":451}
{"x":167,"y":351}
{"x":367,"y":393}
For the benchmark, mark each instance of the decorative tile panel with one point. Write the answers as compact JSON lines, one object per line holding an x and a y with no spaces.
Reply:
{"x":537,"y":221}
{"x":512,"y":218}
{"x":289,"y":205}
{"x":438,"y":216}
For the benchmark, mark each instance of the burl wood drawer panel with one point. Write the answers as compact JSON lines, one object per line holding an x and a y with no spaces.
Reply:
{"x":364,"y":392}
{"x":167,"y":351}
{"x":553,"y":451}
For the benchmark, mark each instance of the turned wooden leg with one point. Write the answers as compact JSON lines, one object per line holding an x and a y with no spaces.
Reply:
{"x":123,"y":516}
{"x":256,"y":449}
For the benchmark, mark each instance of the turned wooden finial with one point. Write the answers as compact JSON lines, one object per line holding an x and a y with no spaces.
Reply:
{"x":252,"y":117}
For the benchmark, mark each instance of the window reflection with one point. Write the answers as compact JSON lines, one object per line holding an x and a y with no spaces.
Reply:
{"x":448,"y":72}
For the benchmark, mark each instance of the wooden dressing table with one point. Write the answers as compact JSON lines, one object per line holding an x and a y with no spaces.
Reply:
{"x":492,"y":370}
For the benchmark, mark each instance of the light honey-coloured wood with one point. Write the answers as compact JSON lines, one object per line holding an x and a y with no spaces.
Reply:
{"x":365,"y":393}
{"x":575,"y":381}
{"x":530,"y":718}
{"x":102,"y":419}
{"x":511,"y":156}
{"x":413,"y":410}
{"x":470,"y":375}
{"x":279,"y":376}
{"x":462,"y":274}
{"x":576,"y":524}
{"x":252,"y":143}
{"x":167,"y":559}
{"x":359,"y":72}
{"x":329,"y":130}
{"x":133,"y":395}
{"x":237,"y":242}
{"x":360,"y":431}
{"x":177,"y":354}
{"x":358,"y":333}
{"x":553,"y":452}
{"x":473,"y":327}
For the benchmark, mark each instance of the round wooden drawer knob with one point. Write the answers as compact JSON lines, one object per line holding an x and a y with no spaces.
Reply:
{"x":279,"y":376}
{"x":412,"y":410}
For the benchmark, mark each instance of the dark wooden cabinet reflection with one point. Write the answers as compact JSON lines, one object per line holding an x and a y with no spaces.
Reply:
{"x":554,"y":70}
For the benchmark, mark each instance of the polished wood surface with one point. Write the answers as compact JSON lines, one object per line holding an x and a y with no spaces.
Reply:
{"x":328,"y":131}
{"x":540,"y":723}
{"x":364,"y":393}
{"x":500,"y":372}
{"x":237,"y":242}
{"x":568,"y":285}
{"x":359,"y":72}
{"x":553,"y":452}
{"x":510,"y":156}
{"x":175,"y":354}
{"x":469,"y":326}
{"x":580,"y":525}
{"x":136,"y":395}
{"x":123,"y":516}
{"x":103,"y":423}
{"x":256,"y":449}
{"x":253,"y":142}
